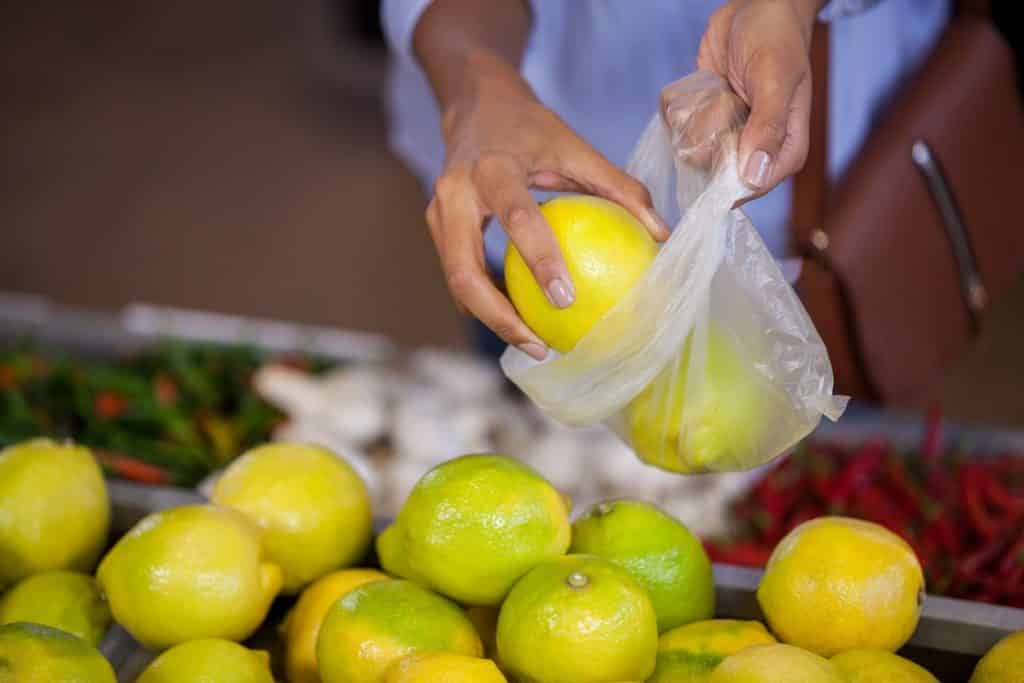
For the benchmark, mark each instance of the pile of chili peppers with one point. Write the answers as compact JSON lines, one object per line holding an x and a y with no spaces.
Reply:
{"x":963,"y":515}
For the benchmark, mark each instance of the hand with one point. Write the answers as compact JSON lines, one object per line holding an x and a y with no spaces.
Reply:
{"x":760,"y":47}
{"x":501,"y":141}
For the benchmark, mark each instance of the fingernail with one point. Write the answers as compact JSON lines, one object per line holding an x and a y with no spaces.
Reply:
{"x":758,"y":166}
{"x":560,"y":293}
{"x":534,"y":350}
{"x":655,"y":220}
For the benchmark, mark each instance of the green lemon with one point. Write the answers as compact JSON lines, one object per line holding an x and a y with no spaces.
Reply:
{"x":658,"y":551}
{"x":209,"y":660}
{"x":472,"y":526}
{"x":64,"y":600}
{"x":32,"y":653}
{"x":688,"y":654}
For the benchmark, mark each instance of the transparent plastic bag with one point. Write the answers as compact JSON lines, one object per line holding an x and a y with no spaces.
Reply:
{"x":710,"y":363}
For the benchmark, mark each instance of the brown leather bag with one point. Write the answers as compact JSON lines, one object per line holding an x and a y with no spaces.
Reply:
{"x":906,"y":253}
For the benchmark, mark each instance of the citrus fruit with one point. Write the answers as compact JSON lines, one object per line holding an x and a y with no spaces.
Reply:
{"x":835,"y":584}
{"x":712,"y":427}
{"x":187,"y":573}
{"x":312,"y":506}
{"x":374,"y":625}
{"x":209,"y":660}
{"x":61,"y":599}
{"x":688,"y":654}
{"x":302,"y":625}
{"x":1004,"y":663}
{"x":774,"y":664}
{"x":606,"y":251}
{"x":54,"y":509}
{"x":656,"y":550}
{"x":879,"y":666}
{"x":443,"y":667}
{"x":473,"y":525}
{"x":33,"y":653}
{"x":577,"y":619}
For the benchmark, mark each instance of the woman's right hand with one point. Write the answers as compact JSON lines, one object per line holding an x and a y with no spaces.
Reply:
{"x":500,"y":142}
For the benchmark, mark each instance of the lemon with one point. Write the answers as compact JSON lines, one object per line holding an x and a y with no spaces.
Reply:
{"x":32,"y":653}
{"x":578,"y":619}
{"x":443,"y":667}
{"x":54,"y":509}
{"x":775,"y":664}
{"x":209,"y":660}
{"x":64,"y":600}
{"x":187,"y":573}
{"x":472,"y":526}
{"x":374,"y":625}
{"x":302,"y":625}
{"x":657,"y":550}
{"x":606,"y":251}
{"x":879,"y":666}
{"x":688,"y":654}
{"x":312,"y":506}
{"x":713,"y":427}
{"x":835,"y":584}
{"x":1004,"y":663}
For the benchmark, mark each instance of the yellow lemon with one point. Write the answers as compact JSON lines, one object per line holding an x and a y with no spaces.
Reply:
{"x":1004,"y":663}
{"x":378,"y":623}
{"x":32,"y":653}
{"x":302,"y":625}
{"x":472,"y":526}
{"x":714,"y":427}
{"x":64,"y":600}
{"x":606,"y":251}
{"x":775,"y":664}
{"x":443,"y":667}
{"x":688,"y":654}
{"x":209,"y":660}
{"x":879,"y":666}
{"x":312,"y":506}
{"x":54,"y":509}
{"x":835,"y":584}
{"x":187,"y":573}
{"x":578,"y":619}
{"x":657,"y":551}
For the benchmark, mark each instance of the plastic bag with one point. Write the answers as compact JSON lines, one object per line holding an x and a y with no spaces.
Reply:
{"x":710,"y":363}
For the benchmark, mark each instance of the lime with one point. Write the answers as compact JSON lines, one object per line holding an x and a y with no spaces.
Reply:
{"x":688,"y":654}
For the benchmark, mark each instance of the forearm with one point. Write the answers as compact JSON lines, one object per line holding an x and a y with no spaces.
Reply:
{"x":456,"y":38}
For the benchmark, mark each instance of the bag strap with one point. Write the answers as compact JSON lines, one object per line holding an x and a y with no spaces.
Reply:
{"x":810,"y":185}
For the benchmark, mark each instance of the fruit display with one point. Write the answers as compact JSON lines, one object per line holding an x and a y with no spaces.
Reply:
{"x":623,"y":594}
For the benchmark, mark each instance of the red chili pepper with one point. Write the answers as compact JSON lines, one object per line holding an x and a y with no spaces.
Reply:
{"x":857,"y":472}
{"x":999,"y":496}
{"x":742,"y":553}
{"x":8,"y":380}
{"x":1014,"y":558}
{"x":974,"y":506}
{"x":109,"y":405}
{"x":970,"y":566}
{"x":130,"y":468}
{"x":944,"y":533}
{"x":906,"y":494}
{"x":165,"y":389}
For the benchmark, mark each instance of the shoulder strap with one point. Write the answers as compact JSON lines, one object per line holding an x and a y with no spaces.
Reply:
{"x":810,"y":185}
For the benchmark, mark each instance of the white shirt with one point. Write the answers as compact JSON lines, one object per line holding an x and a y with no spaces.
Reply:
{"x":600,"y":64}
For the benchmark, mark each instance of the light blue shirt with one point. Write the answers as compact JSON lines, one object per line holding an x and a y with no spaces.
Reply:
{"x":600,"y":64}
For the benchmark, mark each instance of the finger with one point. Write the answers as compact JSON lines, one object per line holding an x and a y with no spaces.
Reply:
{"x":456,"y":220}
{"x":773,"y":136}
{"x":588,"y":167}
{"x":501,"y":183}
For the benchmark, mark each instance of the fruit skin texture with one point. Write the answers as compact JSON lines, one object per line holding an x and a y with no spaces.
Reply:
{"x":443,"y":667}
{"x":209,"y":659}
{"x":688,"y":654}
{"x":54,"y":509}
{"x":606,"y":251}
{"x":1004,"y":663}
{"x":835,"y":584}
{"x":314,"y":509}
{"x":64,"y":600}
{"x":473,"y":525}
{"x":302,"y":625}
{"x":659,"y":552}
{"x":378,"y":623}
{"x":774,"y":664}
{"x":879,"y":666}
{"x":714,"y":430}
{"x":187,"y":573}
{"x":32,"y":653}
{"x":578,"y":619}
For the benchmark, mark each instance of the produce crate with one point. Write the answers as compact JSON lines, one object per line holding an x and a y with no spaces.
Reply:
{"x":950,"y":638}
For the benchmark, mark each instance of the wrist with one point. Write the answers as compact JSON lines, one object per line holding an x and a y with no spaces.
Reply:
{"x":483,"y":76}
{"x":807,"y":13}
